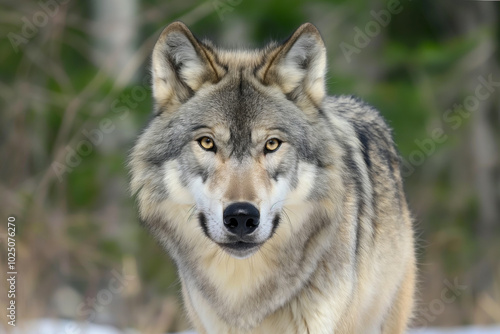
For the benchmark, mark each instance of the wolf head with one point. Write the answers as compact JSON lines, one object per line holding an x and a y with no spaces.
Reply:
{"x":231,"y":133}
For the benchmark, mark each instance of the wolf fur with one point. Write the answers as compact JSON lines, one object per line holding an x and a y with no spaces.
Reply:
{"x":334,"y":248}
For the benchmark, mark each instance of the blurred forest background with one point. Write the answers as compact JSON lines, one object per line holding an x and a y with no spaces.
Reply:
{"x":74,"y":95}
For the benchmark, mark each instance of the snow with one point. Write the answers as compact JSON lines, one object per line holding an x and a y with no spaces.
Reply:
{"x":457,"y":330}
{"x":56,"y":326}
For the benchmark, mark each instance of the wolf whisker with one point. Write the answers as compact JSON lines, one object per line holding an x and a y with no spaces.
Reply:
{"x":272,"y":206}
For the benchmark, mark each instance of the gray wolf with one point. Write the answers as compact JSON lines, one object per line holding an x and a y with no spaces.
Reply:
{"x":282,"y":207}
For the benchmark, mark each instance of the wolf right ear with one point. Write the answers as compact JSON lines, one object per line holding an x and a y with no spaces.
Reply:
{"x":180,"y":66}
{"x":298,"y":68}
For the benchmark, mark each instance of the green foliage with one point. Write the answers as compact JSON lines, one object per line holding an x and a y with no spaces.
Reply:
{"x":82,"y":224}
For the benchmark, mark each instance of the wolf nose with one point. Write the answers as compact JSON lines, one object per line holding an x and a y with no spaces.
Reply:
{"x":241,"y":218}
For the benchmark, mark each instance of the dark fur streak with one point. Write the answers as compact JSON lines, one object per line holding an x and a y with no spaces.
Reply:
{"x":262,"y":62}
{"x":321,"y":224}
{"x":204,"y":176}
{"x":355,"y":172}
{"x":276,"y":174}
{"x":290,"y":97}
{"x":358,"y":236}
{"x":276,"y":222}
{"x":203,"y":223}
{"x":364,"y":140}
{"x":216,"y":57}
{"x":157,"y":159}
{"x":389,"y":159}
{"x":197,"y":127}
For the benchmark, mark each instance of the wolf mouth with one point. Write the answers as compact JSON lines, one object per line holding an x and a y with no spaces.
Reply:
{"x":240,"y":249}
{"x":240,"y":245}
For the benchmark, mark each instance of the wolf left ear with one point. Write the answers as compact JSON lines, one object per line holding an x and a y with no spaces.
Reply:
{"x":181,"y":65}
{"x":298,"y":67}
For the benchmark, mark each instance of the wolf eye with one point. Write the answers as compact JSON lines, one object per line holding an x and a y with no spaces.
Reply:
{"x":272,"y":145}
{"x":207,"y":143}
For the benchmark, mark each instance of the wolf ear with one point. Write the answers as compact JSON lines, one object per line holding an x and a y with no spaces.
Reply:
{"x":298,"y":67}
{"x":181,"y":65}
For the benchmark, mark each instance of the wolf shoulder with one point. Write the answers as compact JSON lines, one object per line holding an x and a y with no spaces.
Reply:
{"x":365,"y":121}
{"x":356,"y":111}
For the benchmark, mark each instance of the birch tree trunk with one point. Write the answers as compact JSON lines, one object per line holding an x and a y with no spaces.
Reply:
{"x":115,"y":33}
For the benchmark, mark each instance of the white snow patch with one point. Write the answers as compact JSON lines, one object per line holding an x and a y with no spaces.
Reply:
{"x":57,"y":326}
{"x":458,"y":330}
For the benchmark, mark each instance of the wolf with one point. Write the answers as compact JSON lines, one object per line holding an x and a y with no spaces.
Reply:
{"x":282,"y":207}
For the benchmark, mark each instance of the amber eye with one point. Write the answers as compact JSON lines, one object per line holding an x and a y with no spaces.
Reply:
{"x":206,"y":143}
{"x":272,"y":145}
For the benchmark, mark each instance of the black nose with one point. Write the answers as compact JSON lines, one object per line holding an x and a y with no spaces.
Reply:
{"x":241,"y":218}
